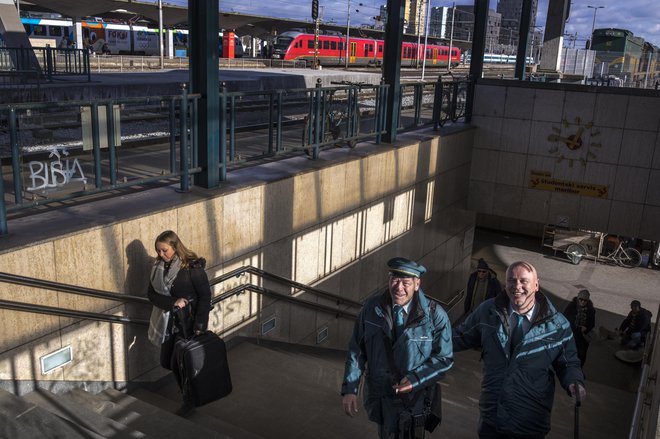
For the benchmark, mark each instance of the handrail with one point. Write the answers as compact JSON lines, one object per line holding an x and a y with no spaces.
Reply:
{"x":66,"y":288}
{"x":291,"y":299}
{"x":73,"y":289}
{"x":63,"y":312}
{"x":649,"y":373}
{"x":254,"y":270}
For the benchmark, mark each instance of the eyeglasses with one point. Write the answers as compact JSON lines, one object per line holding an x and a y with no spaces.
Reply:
{"x":582,"y":300}
{"x":405,"y":281}
{"x":482,"y":271}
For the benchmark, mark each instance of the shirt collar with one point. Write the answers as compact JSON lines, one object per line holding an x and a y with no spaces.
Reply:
{"x":529,"y":314}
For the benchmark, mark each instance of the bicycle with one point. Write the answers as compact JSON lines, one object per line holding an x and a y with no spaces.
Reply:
{"x":453,"y":100}
{"x":340,"y":118}
{"x":623,"y":256}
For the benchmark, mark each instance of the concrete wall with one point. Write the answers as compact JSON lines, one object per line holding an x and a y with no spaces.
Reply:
{"x":524,"y":175}
{"x":332,"y":223}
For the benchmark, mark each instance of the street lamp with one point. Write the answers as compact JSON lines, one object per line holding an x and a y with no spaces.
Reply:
{"x":593,"y":24}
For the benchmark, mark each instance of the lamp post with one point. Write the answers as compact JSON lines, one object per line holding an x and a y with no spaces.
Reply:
{"x":348,"y":30}
{"x":593,"y":23}
{"x":591,"y":40}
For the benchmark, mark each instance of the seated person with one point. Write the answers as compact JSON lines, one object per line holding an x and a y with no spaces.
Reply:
{"x":635,"y":326}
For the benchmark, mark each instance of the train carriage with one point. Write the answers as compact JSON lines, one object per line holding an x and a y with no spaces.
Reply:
{"x":332,"y":51}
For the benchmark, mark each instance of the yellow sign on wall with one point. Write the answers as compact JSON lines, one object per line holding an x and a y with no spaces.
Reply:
{"x":543,"y":181}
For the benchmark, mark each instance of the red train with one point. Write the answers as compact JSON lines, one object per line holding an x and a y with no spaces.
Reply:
{"x":294,"y":45}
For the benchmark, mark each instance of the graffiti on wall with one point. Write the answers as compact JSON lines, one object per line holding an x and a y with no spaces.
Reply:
{"x":55,"y":172}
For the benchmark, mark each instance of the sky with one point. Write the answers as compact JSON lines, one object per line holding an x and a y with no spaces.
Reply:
{"x":642,"y":17}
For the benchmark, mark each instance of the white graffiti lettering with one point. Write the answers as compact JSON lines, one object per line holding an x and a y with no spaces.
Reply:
{"x":56,"y":172}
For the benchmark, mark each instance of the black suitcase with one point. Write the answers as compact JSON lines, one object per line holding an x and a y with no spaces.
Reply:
{"x":201,"y":368}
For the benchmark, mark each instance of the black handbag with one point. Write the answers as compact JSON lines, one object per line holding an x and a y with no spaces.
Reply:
{"x":182,"y":319}
{"x":433,"y":407}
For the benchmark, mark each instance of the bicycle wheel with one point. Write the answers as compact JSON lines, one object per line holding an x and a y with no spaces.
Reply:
{"x":575,"y":253}
{"x":356,"y":120}
{"x":445,"y":105}
{"x":629,"y":257}
{"x":590,"y":244}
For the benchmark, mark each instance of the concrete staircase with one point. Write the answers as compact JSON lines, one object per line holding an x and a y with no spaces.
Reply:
{"x":285,"y":391}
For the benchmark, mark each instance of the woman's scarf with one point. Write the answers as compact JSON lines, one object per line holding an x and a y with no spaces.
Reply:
{"x":161,"y":283}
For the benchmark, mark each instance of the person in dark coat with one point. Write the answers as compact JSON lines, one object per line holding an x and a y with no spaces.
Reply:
{"x":401,"y":345}
{"x":635,"y":326}
{"x":581,"y":314}
{"x":482,"y":284}
{"x":177,"y":280}
{"x":525,"y":342}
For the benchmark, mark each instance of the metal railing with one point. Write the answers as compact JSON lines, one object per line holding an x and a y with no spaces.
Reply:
{"x":291,"y":297}
{"x":647,"y":402}
{"x":50,"y":62}
{"x":65,"y":150}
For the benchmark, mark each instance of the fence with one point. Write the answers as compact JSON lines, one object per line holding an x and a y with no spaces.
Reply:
{"x":60,"y":151}
{"x":47,"y":61}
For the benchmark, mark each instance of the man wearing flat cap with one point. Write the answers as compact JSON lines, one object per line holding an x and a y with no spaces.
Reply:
{"x":482,"y":284}
{"x":581,"y":314}
{"x":402,"y":343}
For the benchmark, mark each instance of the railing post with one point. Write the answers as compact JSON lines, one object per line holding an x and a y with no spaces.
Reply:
{"x":470,"y":98}
{"x":223,"y":131}
{"x":86,"y":65}
{"x":183,"y":140}
{"x":15,"y":157}
{"x":418,"y":102}
{"x":380,"y":99}
{"x":172,"y":136}
{"x":49,"y":63}
{"x":112,"y":152}
{"x":278,"y":143}
{"x":270,"y":122}
{"x":317,"y":119}
{"x":232,"y":128}
{"x":3,"y":208}
{"x":437,"y":102}
{"x":96,"y":145}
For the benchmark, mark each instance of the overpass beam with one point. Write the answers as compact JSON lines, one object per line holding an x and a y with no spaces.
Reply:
{"x":204,"y":79}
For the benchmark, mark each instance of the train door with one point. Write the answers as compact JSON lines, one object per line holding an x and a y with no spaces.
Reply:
{"x":435,"y":56}
{"x":351,"y":53}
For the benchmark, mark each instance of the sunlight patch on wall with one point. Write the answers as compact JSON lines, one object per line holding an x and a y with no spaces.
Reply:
{"x":428,"y":207}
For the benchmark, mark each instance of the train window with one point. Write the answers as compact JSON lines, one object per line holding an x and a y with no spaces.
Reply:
{"x":310,"y":44}
{"x":326,"y":45}
{"x":371,"y":47}
{"x":55,"y":31}
{"x":380,"y":48}
{"x":341,"y":45}
{"x":333,"y":45}
{"x":39,"y":30}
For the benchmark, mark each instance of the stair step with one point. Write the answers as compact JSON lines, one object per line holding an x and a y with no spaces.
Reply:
{"x":280,"y":394}
{"x":66,"y":408}
{"x":200,"y":416}
{"x":20,"y":419}
{"x":141,"y":416}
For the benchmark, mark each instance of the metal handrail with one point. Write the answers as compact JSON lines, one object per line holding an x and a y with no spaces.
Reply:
{"x":649,"y":373}
{"x":254,"y":270}
{"x":66,"y":288}
{"x":74,"y":289}
{"x":64,"y":312}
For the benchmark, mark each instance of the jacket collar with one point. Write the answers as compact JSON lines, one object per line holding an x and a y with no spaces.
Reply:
{"x":545,"y":309}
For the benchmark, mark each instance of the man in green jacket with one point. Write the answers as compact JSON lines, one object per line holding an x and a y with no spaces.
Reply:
{"x":402,"y":340}
{"x":524,"y":342}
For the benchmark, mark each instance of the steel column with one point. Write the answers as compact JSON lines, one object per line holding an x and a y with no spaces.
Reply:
{"x":392,"y":66}
{"x":523,"y":36}
{"x":204,"y":77}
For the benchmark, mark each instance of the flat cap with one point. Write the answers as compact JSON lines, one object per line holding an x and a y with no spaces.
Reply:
{"x":405,"y":267}
{"x":583,"y":294}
